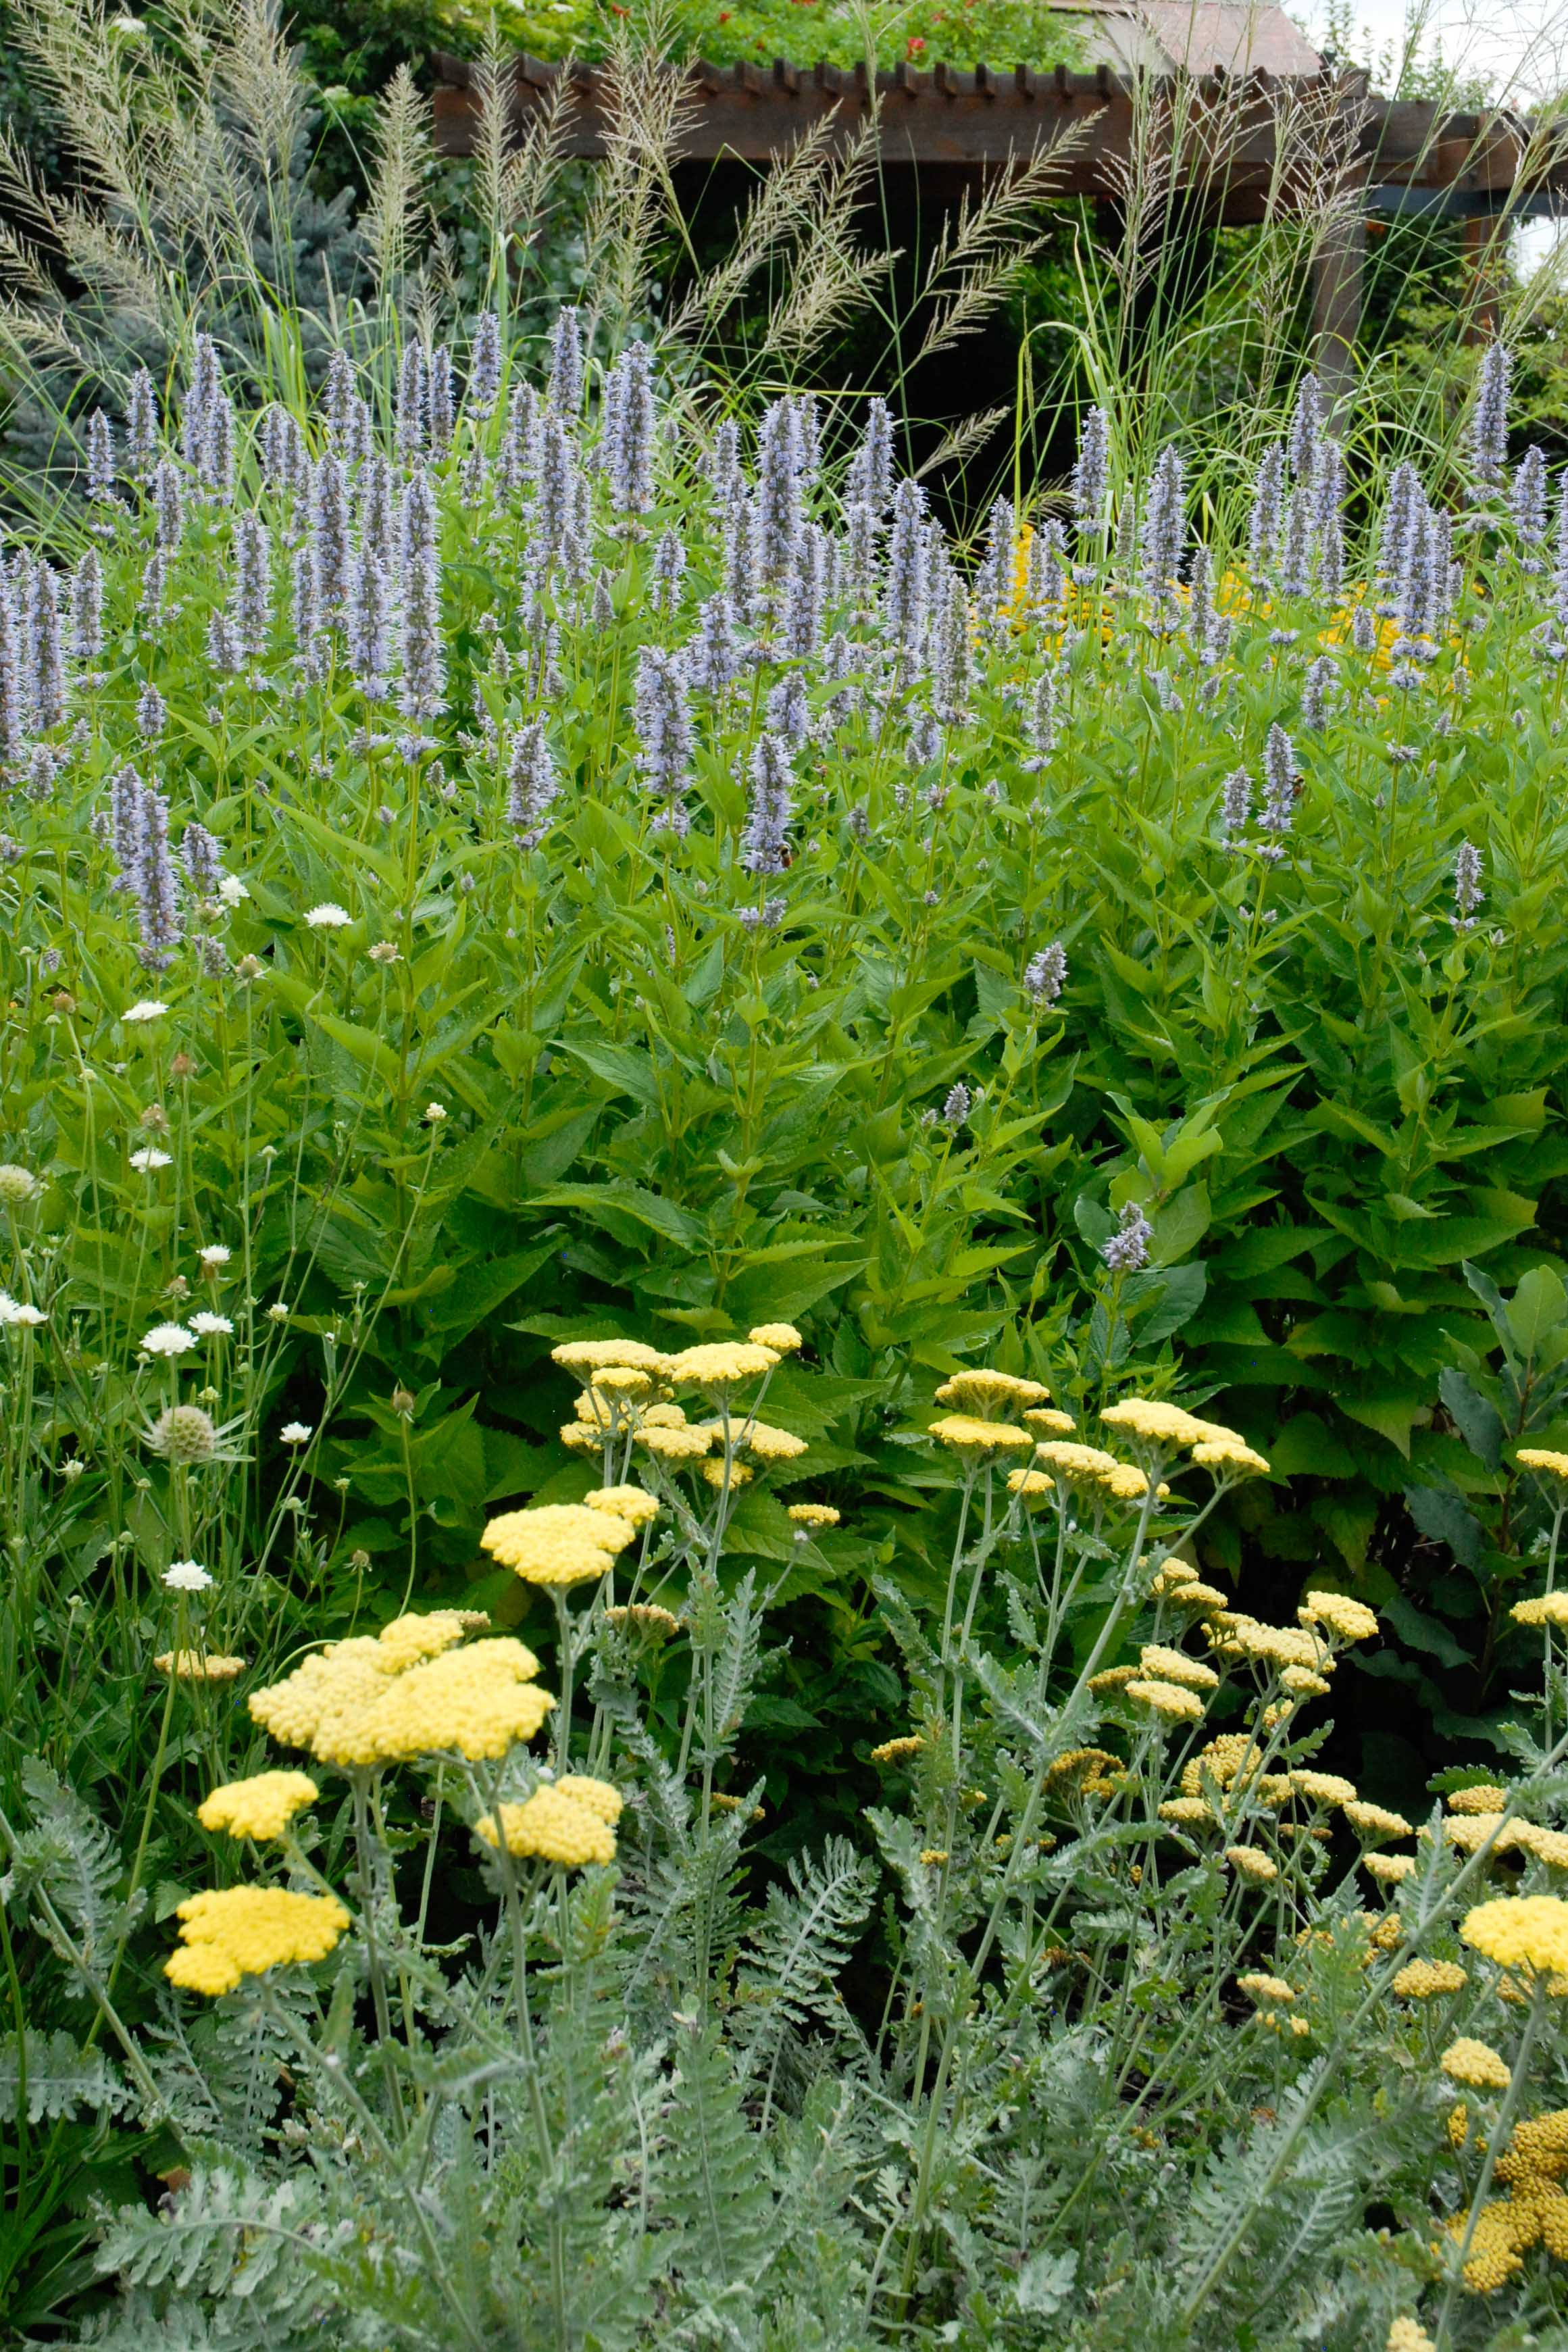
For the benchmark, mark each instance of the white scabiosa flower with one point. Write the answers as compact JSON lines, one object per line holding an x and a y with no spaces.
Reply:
{"x":15,"y":1315}
{"x":295,"y":1433}
{"x":327,"y":917}
{"x":147,"y":1009}
{"x":436,"y":1112}
{"x":215,"y":1255}
{"x":187,"y":1576}
{"x":168,"y":1339}
{"x":231,"y":890}
{"x":211,"y":1326}
{"x":145,"y":1161}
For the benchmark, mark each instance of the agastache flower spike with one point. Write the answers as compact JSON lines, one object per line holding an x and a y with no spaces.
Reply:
{"x":13,"y":691}
{"x":202,"y":393}
{"x":869,"y":479}
{"x":1468,"y":891}
{"x":1528,"y":499}
{"x":484,"y":364}
{"x":778,"y":506}
{"x":950,"y":654}
{"x":1045,"y":974}
{"x":1164,"y":530}
{"x":202,"y":859}
{"x":1321,"y":678}
{"x":1489,"y":420}
{"x":151,"y":712}
{"x":125,"y":821}
{"x":408,"y":430}
{"x":336,"y":397}
{"x":1091,"y":473}
{"x":662,"y":718}
{"x":140,"y":426}
{"x":554,"y":491}
{"x":168,"y":506}
{"x":330,"y":534}
{"x":905,"y":592}
{"x":531,"y":785}
{"x":626,"y":443}
{"x":1296,"y":554}
{"x":1328,"y":486}
{"x":1306,"y":424}
{"x":304,"y":612}
{"x":366,"y":619}
{"x":725,"y":481}
{"x":87,"y":607}
{"x":519,"y":445}
{"x":440,"y":404}
{"x":1200,"y":600}
{"x":1046,"y":584}
{"x":740,"y":555}
{"x":713,"y":658}
{"x":1235,"y":803}
{"x":668,"y":565}
{"x":787,"y":712}
{"x":424,"y":693}
{"x":566,"y":362}
{"x":1127,"y":1251}
{"x":993,"y":581}
{"x":1267,"y":502}
{"x":765,"y":842}
{"x":804,"y":594}
{"x":48,"y":653}
{"x":152,"y":881}
{"x":252,"y":609}
{"x":1401,"y":516}
{"x":100,"y":459}
{"x":1282,"y":782}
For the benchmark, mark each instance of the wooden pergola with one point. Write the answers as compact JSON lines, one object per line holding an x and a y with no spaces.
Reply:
{"x":953,"y":127}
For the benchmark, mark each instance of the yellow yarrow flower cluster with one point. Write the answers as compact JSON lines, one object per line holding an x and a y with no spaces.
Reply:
{"x":1408,"y":2336}
{"x":382,"y":1700}
{"x":897,"y":1751}
{"x":1533,"y":2213}
{"x":632,"y":1504}
{"x":1167,"y":1698}
{"x":1259,"y":1987}
{"x":1475,"y":2063}
{"x":241,"y":1931}
{"x":1029,"y":1483}
{"x":261,"y":1806}
{"x":761,"y":1441}
{"x":1175,"y":1666}
{"x":1352,"y":1620}
{"x":1540,"y":1457}
{"x":990,"y":1394}
{"x":780,"y":1338}
{"x":558,"y":1543}
{"x":1480,"y":1797}
{"x":1085,"y":1466}
{"x":1251,"y":1864}
{"x":814,"y":1515}
{"x":571,"y":1821}
{"x":1323,"y":1787}
{"x":1527,"y":1932}
{"x":1046,"y":1422}
{"x":199,"y":1666}
{"x":1393,"y":1869}
{"x":1376,"y":1820}
{"x":1426,"y":1980}
{"x":1547,"y":1609}
{"x":965,"y":1434}
{"x":719,"y":1366}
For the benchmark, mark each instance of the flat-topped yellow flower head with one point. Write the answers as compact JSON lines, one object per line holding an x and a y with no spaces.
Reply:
{"x":989,"y":1394}
{"x":241,"y":1931}
{"x":557,"y":1543}
{"x":1352,"y":1620}
{"x":1166,"y":1698}
{"x":721,"y":1365}
{"x":560,"y":1823}
{"x":1546,"y":1609}
{"x":368,"y":1701}
{"x":1230,"y":1458}
{"x":1475,"y":2063}
{"x":600,"y":1354}
{"x":1175,"y":1666}
{"x":632,"y":1504}
{"x":780,"y":1338}
{"x":1541,"y":1457}
{"x":261,"y":1806}
{"x":965,"y":1434}
{"x":1520,"y":1931}
{"x":814,"y":1515}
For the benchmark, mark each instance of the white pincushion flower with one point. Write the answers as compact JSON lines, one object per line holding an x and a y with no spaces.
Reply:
{"x":168,"y":1339}
{"x":216,"y":1253}
{"x":231,"y":890}
{"x":150,"y":1159}
{"x":435,"y":1113}
{"x":295,"y":1433}
{"x":211,"y":1326}
{"x":327,"y":917}
{"x":148,"y":1008}
{"x":15,"y":1315}
{"x":185,"y":1576}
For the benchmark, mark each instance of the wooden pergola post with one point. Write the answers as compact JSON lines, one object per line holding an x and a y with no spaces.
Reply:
{"x":1338,"y":270}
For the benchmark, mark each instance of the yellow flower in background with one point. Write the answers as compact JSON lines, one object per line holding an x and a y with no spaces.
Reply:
{"x":1251,"y":1864}
{"x":1548,"y":1609}
{"x":1353,"y":1621}
{"x":1376,"y":1820}
{"x":1259,"y":1987}
{"x":1520,"y":1931}
{"x":1407,"y":2336}
{"x":243,"y":1931}
{"x":644,"y":1617}
{"x":1188,"y":1810}
{"x":1167,"y":1698}
{"x":369,"y":1701}
{"x":1046,"y":1422}
{"x":408,"y":1640}
{"x":199,"y":1666}
{"x":1233,"y":1455}
{"x":814,"y":1515}
{"x":1323,"y":1787}
{"x":598,"y":1355}
{"x":964,"y":1433}
{"x":1160,"y":1423}
{"x":1086,"y":1465}
{"x":1480,"y":1797}
{"x":896,"y":1751}
{"x":738,"y":1474}
{"x":1029,"y":1483}
{"x":1426,"y":1980}
{"x":721,"y":1365}
{"x":674,"y":1440}
{"x":557,"y":1543}
{"x":1175,"y":1666}
{"x":1392,"y":1868}
{"x":632,"y":1504}
{"x":261,"y":1806}
{"x":602,"y":1797}
{"x":1550,"y":1846}
{"x":556,"y":1825}
{"x":1538,"y":1458}
{"x":1475,"y":2063}
{"x":780,"y":1339}
{"x":760,"y":1439}
{"x":985,"y":1393}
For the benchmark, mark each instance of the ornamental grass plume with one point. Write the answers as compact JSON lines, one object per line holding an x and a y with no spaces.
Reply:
{"x":261,"y":1806}
{"x":234,"y":1932}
